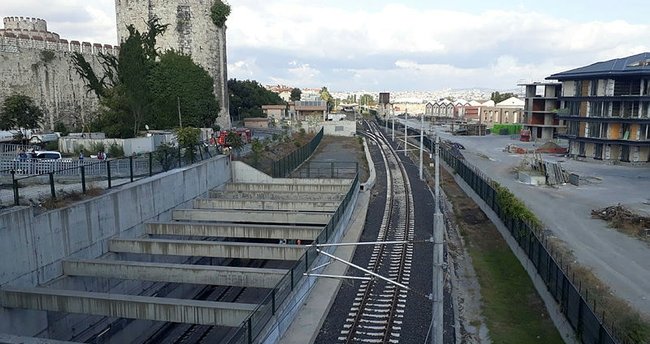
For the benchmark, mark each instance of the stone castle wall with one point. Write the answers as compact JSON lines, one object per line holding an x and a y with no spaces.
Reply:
{"x":36,"y":63}
{"x":191,"y":32}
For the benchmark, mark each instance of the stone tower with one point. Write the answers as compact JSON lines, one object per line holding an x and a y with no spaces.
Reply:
{"x":191,"y":31}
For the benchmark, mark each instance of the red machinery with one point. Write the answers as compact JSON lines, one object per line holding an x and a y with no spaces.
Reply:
{"x":245,"y":134}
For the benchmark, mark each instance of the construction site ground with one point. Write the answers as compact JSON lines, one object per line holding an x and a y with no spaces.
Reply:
{"x":617,"y":259}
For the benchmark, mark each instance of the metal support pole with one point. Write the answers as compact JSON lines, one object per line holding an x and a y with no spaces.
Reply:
{"x":52,"y":190}
{"x":83,"y":178}
{"x":131,"y":167}
{"x":438,"y":273}
{"x":393,"y":132}
{"x":108,"y":173}
{"x":421,"y":145}
{"x":14,"y":184}
{"x":150,"y":164}
{"x":406,"y":117}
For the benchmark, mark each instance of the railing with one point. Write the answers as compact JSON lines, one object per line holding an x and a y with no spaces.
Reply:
{"x":589,"y":328}
{"x":281,"y":168}
{"x":66,"y":176}
{"x":260,"y":317}
{"x":327,"y":169}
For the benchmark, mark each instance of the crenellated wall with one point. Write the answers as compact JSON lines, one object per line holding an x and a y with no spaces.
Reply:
{"x":191,"y":31}
{"x":37,"y":63}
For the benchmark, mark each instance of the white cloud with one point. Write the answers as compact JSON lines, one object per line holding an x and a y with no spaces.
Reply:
{"x":243,"y":69}
{"x":378,"y":44}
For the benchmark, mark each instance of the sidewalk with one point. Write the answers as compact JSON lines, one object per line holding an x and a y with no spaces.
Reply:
{"x":315,"y":307}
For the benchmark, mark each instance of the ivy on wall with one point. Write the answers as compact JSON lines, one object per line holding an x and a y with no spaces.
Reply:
{"x":219,"y":13}
{"x":511,"y":206}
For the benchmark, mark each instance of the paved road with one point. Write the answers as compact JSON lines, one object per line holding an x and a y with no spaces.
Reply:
{"x":622,"y":262}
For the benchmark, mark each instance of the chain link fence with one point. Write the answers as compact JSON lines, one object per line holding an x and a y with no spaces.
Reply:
{"x":281,"y":168}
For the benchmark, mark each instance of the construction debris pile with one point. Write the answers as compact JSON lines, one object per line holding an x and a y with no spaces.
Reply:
{"x":546,"y":148}
{"x":622,"y":218}
{"x":553,"y":171}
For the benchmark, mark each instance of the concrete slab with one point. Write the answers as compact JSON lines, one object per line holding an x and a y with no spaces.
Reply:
{"x":234,"y":230}
{"x":190,"y":248}
{"x":220,"y":203}
{"x":278,"y":195}
{"x":252,"y":216}
{"x":127,"y":306}
{"x":11,"y":339}
{"x":287,"y":187}
{"x":175,"y":273}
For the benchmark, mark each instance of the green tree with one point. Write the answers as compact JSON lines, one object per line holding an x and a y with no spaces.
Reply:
{"x":367,"y":100}
{"x":235,"y":142}
{"x":327,"y":97}
{"x":219,"y":13}
{"x":166,"y":155}
{"x":296,"y":93}
{"x":177,"y":80}
{"x":19,"y":112}
{"x":256,"y":151}
{"x":499,"y":97}
{"x":247,"y":98}
{"x":124,"y":89}
{"x":188,"y":139}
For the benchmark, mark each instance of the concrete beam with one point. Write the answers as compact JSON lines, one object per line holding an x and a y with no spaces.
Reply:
{"x":252,"y":216}
{"x":11,"y":339}
{"x":287,"y":187}
{"x":279,"y":195}
{"x":127,"y":306}
{"x":189,"y":248}
{"x":233,"y":230}
{"x":220,"y":203}
{"x":175,"y":273}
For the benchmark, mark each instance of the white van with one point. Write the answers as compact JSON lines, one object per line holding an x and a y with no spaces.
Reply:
{"x":47,"y":155}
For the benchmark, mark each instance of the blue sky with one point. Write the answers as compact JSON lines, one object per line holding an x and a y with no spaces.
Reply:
{"x":394,"y":46}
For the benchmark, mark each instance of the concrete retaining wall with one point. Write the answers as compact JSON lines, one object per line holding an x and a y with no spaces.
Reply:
{"x":340,"y":128}
{"x":243,"y":173}
{"x":38,"y":243}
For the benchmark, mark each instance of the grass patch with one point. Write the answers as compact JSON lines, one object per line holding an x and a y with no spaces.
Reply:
{"x":513,"y":310}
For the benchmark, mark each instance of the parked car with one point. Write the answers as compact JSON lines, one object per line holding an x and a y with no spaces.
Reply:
{"x":47,"y":155}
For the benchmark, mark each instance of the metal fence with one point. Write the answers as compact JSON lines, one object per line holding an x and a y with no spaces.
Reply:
{"x":265,"y":311}
{"x":327,"y":169}
{"x":65,"y":176}
{"x":281,"y":168}
{"x":578,"y":310}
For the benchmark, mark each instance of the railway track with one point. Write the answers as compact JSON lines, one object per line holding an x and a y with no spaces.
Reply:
{"x":378,"y":308}
{"x":189,"y":334}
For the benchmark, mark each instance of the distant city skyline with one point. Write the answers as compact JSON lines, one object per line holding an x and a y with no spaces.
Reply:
{"x":392,"y":46}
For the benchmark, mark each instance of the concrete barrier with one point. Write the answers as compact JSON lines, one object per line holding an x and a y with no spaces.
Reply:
{"x":37,"y":243}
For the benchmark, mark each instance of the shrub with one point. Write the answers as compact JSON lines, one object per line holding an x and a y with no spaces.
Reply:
{"x":115,"y":151}
{"x":219,"y":13}
{"x":166,"y":154}
{"x":52,"y":145}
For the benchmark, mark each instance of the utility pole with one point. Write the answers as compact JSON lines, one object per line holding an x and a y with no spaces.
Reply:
{"x":438,"y":273}
{"x":406,"y":117}
{"x":180,"y":121}
{"x":393,"y":121}
{"x":421,"y":144}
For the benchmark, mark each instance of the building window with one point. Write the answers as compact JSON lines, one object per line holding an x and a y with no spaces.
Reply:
{"x":644,"y":132}
{"x":593,"y":88}
{"x":573,"y":128}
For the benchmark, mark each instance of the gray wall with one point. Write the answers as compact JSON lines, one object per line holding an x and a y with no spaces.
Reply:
{"x":34,"y":245}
